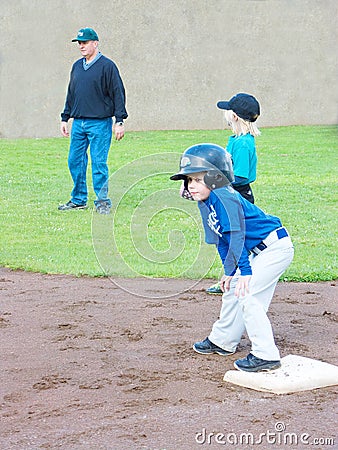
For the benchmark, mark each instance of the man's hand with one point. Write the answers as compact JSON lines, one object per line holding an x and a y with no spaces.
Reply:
{"x":64,"y":129}
{"x":119,"y":131}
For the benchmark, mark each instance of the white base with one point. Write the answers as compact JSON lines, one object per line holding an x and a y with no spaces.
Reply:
{"x":296,"y":374}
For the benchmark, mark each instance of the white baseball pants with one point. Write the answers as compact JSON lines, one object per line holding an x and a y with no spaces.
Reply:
{"x":250,"y":311}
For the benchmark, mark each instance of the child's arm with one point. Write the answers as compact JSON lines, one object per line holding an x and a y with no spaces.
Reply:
{"x":229,"y":259}
{"x":233,"y":253}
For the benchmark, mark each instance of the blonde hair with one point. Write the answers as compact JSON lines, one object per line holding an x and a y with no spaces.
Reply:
{"x":240,"y":126}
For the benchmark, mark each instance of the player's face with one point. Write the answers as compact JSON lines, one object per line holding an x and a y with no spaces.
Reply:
{"x":197,"y":188}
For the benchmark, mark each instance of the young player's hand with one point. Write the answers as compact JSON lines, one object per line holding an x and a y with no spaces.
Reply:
{"x":225,"y":283}
{"x":242,"y":285}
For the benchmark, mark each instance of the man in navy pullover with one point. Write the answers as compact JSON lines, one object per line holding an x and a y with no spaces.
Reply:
{"x":95,"y":95}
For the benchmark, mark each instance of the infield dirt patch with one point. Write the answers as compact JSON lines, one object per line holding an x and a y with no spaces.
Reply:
{"x":87,"y":365}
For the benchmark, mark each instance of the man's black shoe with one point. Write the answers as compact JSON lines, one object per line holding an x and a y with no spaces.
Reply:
{"x":70,"y":205}
{"x":103,"y":207}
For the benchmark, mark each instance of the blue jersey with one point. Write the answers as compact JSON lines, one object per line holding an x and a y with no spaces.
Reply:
{"x":244,"y":157}
{"x":235,"y":226}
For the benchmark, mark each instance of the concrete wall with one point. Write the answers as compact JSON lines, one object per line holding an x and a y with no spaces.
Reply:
{"x":177,"y":59}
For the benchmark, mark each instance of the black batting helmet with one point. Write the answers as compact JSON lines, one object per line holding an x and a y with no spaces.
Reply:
{"x":209,"y":158}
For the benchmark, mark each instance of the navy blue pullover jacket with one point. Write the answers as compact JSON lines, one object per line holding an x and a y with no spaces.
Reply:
{"x":95,"y":93}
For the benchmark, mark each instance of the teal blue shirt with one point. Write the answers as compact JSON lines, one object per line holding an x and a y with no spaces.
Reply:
{"x":244,"y":158}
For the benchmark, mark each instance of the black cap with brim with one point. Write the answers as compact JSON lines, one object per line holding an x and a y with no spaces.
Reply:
{"x":223,"y":105}
{"x":244,"y":105}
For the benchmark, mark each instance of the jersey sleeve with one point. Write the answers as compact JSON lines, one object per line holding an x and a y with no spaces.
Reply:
{"x":233,"y":254}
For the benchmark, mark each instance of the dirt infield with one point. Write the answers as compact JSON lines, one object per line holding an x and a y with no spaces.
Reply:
{"x":87,"y":365}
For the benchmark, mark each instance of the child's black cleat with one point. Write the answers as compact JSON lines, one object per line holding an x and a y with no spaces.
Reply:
{"x":253,"y":364}
{"x":206,"y":347}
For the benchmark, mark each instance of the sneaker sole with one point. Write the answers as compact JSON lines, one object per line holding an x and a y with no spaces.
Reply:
{"x":72,"y":209}
{"x":258,"y":369}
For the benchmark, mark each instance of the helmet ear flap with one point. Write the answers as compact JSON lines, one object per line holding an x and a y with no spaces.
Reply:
{"x":215,"y":179}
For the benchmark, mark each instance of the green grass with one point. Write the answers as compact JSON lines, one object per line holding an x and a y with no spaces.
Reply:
{"x":152,"y":231}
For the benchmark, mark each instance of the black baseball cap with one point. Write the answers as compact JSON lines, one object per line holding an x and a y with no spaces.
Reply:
{"x":244,"y":105}
{"x":86,"y":34}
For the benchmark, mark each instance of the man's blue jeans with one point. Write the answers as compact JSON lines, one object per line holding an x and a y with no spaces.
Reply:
{"x":95,"y":134}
